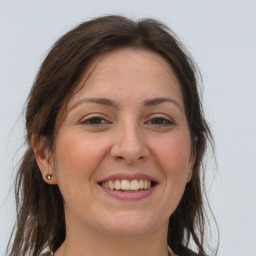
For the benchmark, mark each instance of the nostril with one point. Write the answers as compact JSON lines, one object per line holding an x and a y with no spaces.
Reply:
{"x":129,"y":152}
{"x":120,"y":157}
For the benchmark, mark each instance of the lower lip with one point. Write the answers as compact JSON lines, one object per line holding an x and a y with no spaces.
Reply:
{"x":129,"y":196}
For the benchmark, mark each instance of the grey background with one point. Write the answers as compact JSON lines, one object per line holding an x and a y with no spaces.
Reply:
{"x":221,"y":37}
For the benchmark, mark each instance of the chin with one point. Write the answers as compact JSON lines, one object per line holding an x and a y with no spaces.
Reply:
{"x":128,"y":224}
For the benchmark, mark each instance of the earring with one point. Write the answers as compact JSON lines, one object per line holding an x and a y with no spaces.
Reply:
{"x":48,"y":176}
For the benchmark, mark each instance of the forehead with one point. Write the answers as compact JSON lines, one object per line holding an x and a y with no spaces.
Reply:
{"x":136,"y":71}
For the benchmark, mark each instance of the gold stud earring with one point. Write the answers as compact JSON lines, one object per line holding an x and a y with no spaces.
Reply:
{"x":48,"y":176}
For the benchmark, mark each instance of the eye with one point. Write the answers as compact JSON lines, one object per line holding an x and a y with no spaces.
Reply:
{"x":160,"y":121}
{"x":95,"y":121}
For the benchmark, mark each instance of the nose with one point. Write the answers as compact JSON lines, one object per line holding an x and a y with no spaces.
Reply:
{"x":129,"y":144}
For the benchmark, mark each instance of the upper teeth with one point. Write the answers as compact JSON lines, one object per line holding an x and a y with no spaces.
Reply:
{"x":126,"y":184}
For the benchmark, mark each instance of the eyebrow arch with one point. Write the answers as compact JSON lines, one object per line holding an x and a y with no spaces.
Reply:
{"x":157,"y":101}
{"x":100,"y":101}
{"x":111,"y":103}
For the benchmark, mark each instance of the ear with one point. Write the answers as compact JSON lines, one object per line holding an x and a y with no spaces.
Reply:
{"x":191,"y":164}
{"x":189,"y":175}
{"x":44,"y":158}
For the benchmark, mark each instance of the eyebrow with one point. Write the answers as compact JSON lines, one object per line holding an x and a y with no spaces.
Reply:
{"x":111,"y":103}
{"x":157,"y":101}
{"x":100,"y":101}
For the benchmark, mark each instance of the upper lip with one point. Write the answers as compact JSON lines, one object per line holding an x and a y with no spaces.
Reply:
{"x":128,"y":176}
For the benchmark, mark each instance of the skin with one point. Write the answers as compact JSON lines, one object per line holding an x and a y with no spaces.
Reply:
{"x":129,"y":138}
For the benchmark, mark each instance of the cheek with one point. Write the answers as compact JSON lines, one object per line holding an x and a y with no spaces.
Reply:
{"x":175,"y":150}
{"x":76,"y":160}
{"x":77,"y":157}
{"x":174,"y":158}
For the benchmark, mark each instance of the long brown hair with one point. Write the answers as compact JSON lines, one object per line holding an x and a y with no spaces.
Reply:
{"x":40,"y":212}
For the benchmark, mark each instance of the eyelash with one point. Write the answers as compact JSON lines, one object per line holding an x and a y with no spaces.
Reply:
{"x":89,"y":121}
{"x":99,"y":121}
{"x":164,"y":121}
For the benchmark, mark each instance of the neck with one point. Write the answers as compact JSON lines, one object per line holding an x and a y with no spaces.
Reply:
{"x":91,"y":243}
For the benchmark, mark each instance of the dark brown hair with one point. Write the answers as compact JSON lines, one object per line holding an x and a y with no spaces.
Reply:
{"x":40,"y":212}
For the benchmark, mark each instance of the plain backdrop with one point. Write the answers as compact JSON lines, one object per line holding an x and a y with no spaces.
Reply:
{"x":220,"y":35}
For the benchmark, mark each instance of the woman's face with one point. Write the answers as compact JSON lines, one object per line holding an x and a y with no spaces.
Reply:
{"x":123,"y":153}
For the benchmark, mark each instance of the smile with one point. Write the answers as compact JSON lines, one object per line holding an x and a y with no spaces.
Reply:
{"x":125,"y":186}
{"x":128,"y":185}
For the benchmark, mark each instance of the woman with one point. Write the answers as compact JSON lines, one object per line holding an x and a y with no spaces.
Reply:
{"x":115,"y":142}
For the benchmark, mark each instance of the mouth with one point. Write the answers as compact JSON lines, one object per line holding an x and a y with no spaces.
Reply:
{"x":128,"y":186}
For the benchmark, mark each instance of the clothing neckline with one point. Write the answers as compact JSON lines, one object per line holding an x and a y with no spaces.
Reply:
{"x":171,"y":253}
